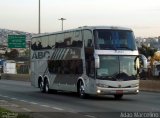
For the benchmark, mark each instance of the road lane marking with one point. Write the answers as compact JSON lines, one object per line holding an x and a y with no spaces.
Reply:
{"x":33,"y":103}
{"x":14,"y":105}
{"x":25,"y":109}
{"x":3,"y":101}
{"x":90,"y":116}
{"x":73,"y":112}
{"x":56,"y":108}
{"x":14,"y":98}
{"x":5,"y":96}
{"x":23,"y":101}
{"x":45,"y":106}
{"x":9,"y":105}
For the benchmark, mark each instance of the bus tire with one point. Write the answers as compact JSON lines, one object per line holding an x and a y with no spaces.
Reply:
{"x":81,"y":90}
{"x":118,"y":96}
{"x":46,"y":86}
{"x":41,"y":86}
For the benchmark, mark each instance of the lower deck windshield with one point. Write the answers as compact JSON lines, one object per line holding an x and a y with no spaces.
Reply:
{"x":116,"y":68}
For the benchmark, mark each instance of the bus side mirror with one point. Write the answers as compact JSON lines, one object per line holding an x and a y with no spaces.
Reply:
{"x":140,"y":63}
{"x":143,"y":62}
{"x":97,"y":62}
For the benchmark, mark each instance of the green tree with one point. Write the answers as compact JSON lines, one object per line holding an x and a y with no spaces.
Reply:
{"x":147,"y":51}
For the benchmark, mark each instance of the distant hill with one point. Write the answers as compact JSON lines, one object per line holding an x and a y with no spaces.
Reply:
{"x":5,"y":32}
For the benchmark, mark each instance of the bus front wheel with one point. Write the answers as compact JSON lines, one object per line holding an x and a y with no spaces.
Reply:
{"x":81,"y":90}
{"x":41,"y":86}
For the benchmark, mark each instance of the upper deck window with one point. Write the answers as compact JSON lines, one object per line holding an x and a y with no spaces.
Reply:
{"x":114,"y":39}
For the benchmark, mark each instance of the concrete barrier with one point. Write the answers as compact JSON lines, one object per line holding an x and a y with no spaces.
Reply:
{"x":150,"y":85}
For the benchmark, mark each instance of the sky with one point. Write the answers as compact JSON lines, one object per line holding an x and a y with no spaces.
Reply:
{"x":143,"y":16}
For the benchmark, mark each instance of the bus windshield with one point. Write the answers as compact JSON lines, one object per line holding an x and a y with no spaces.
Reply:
{"x":116,"y":68}
{"x":114,"y":39}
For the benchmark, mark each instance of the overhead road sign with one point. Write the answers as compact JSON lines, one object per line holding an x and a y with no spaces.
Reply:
{"x":16,"y":41}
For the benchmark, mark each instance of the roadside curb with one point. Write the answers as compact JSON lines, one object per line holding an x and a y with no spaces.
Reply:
{"x":150,"y":90}
{"x":150,"y":85}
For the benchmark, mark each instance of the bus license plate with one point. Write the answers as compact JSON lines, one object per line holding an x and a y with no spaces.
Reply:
{"x":119,"y":92}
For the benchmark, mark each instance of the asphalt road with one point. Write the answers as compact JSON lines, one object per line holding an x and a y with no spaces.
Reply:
{"x":20,"y":96}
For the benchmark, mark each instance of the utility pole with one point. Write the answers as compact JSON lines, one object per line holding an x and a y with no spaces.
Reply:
{"x":62,"y":19}
{"x":39,"y":19}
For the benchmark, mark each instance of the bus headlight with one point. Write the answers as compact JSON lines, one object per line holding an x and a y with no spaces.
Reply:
{"x":98,"y":91}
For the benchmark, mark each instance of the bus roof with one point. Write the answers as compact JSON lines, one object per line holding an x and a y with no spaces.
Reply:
{"x":82,"y":28}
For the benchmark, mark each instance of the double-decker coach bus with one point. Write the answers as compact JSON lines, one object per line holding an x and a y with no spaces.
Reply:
{"x":96,"y":60}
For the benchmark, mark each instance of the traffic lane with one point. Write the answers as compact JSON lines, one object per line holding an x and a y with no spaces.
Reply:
{"x":44,"y":111}
{"x":93,"y":104}
{"x":144,"y":101}
{"x":59,"y":98}
{"x":48,"y":113}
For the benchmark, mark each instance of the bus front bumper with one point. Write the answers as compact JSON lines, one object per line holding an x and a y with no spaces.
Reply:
{"x":113,"y":91}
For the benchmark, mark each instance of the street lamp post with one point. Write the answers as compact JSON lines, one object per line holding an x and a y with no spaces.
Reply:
{"x":62,"y":19}
{"x":39,"y":19}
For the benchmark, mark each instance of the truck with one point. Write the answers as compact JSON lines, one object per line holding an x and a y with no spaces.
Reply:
{"x":156,"y":69}
{"x":1,"y":66}
{"x":9,"y":67}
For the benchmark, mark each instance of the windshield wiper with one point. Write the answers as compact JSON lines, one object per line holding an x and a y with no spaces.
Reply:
{"x":126,"y":47}
{"x":101,"y":76}
{"x":106,"y":77}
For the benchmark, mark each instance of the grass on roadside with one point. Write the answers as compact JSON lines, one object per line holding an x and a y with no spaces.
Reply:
{"x":4,"y":113}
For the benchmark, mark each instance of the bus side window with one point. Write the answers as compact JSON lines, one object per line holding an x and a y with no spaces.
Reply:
{"x":44,"y":42}
{"x":76,"y":67}
{"x":34,"y":45}
{"x":39,"y":45}
{"x":50,"y":64}
{"x":68,"y":39}
{"x":60,"y":41}
{"x":89,"y":44}
{"x":52,"y":39}
{"x":65,"y":66}
{"x":77,"y":39}
{"x":89,"y":53}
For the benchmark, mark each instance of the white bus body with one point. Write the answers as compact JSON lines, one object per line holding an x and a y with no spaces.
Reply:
{"x":88,"y":60}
